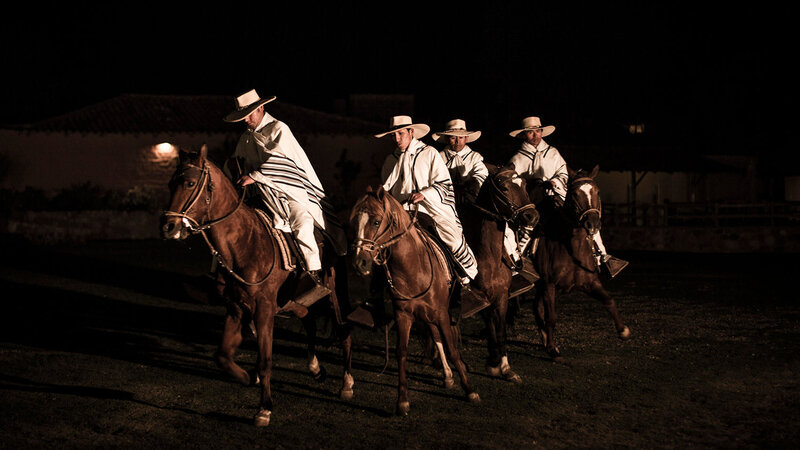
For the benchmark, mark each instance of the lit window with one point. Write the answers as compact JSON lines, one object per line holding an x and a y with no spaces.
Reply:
{"x":636,"y":128}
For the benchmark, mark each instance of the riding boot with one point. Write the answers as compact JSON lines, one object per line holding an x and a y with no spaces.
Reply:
{"x":612,"y":265}
{"x":311,"y":288}
{"x":371,"y":311}
{"x":523,"y":279}
{"x":472,"y":301}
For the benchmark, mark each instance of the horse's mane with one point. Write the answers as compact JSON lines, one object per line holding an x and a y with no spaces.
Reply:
{"x":385,"y":201}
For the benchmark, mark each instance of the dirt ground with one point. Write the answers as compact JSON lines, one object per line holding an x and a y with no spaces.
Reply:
{"x":110,"y":344}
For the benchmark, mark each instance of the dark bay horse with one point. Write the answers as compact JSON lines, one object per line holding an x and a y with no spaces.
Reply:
{"x":417,"y":274}
{"x":502,"y":201}
{"x":565,"y":256}
{"x":203,"y":200}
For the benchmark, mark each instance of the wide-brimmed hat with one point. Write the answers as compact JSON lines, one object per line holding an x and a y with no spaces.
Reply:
{"x":245,"y":104}
{"x":402,"y":122}
{"x":533,"y":123}
{"x":456,"y":127}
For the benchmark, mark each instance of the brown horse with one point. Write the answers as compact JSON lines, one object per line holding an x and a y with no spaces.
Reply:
{"x":203,"y":200}
{"x":565,"y":256}
{"x":417,"y":274}
{"x":502,"y":201}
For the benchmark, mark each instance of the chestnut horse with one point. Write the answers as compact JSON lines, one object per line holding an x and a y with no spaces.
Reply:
{"x":565,"y":256}
{"x":502,"y":201}
{"x":417,"y":274}
{"x":203,"y":200}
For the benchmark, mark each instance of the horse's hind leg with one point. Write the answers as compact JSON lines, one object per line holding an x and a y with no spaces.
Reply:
{"x":265,"y":317}
{"x":231,"y":339}
{"x":447,"y":373}
{"x":443,"y":322}
{"x":317,"y":371}
{"x":599,"y":292}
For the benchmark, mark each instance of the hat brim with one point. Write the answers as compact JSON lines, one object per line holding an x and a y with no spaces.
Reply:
{"x":240,"y":114}
{"x":546,"y":131}
{"x":420,"y":130}
{"x":444,"y":136}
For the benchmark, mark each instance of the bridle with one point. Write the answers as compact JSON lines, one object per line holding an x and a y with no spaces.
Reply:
{"x":502,"y":199}
{"x":379,"y":251}
{"x":581,"y":213}
{"x":204,"y":183}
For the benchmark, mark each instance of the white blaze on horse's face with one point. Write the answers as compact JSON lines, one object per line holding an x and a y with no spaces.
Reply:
{"x":516,"y":179}
{"x":361,"y":222}
{"x":586,"y":189}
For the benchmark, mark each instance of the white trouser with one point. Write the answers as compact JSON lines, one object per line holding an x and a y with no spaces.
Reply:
{"x":453,"y":236}
{"x":510,"y":244}
{"x":598,"y":241}
{"x":302,"y":225}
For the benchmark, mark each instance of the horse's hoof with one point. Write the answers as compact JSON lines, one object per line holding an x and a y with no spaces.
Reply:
{"x":494,"y":371}
{"x":512,"y":377}
{"x":449,"y":383}
{"x":625,"y":334}
{"x":403,"y":408}
{"x":346,"y":394}
{"x":320,"y":376}
{"x":474,"y":398}
{"x":262,"y":418}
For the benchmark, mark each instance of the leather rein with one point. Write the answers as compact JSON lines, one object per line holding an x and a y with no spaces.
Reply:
{"x":196,"y":227}
{"x":379,"y":251}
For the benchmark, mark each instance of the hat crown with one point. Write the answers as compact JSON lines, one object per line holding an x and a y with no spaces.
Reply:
{"x":531,"y":122}
{"x":456,"y":124}
{"x":398,"y":121}
{"x":247,"y":99}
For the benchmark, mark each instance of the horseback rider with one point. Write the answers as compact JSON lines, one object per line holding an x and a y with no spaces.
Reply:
{"x":468,"y":172}
{"x":273,"y":160}
{"x":417,"y":177}
{"x":543,"y":166}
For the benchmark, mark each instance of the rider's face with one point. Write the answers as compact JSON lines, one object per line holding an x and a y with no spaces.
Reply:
{"x":402,"y":138}
{"x":254,"y":118}
{"x":457,"y":143}
{"x":533,"y":137}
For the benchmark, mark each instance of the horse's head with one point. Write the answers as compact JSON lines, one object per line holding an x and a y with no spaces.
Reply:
{"x":190,"y":195}
{"x":374,"y":219}
{"x":509,"y":195}
{"x":583,"y":199}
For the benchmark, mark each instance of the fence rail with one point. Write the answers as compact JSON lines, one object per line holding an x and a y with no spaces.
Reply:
{"x":703,"y":214}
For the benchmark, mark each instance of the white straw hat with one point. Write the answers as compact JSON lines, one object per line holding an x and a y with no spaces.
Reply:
{"x":533,"y":123}
{"x":245,"y":104}
{"x":456,"y":127}
{"x":402,"y":122}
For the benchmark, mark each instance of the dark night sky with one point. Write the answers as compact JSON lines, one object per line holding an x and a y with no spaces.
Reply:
{"x":492,"y":64}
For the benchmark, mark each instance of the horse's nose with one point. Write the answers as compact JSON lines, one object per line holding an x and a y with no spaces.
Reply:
{"x":362,"y":264}
{"x":592,"y":226}
{"x":530,"y":217}
{"x":170,"y":230}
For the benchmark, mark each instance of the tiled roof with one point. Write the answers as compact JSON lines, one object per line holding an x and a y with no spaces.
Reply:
{"x":144,"y":113}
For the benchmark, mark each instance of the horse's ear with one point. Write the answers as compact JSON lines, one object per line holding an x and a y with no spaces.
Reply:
{"x":380,"y":192}
{"x":203,"y":151}
{"x":595,"y":170}
{"x":369,"y":188}
{"x":571,"y":173}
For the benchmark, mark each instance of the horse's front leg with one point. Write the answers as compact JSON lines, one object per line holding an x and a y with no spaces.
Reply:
{"x":346,"y":393}
{"x":231,"y":339}
{"x":598,"y":291}
{"x":265,"y":322}
{"x":497,"y":364}
{"x":404,"y":322}
{"x":549,"y":304}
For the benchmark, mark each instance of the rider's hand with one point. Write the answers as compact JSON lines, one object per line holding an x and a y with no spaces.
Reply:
{"x":416,"y":197}
{"x":245,"y":180}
